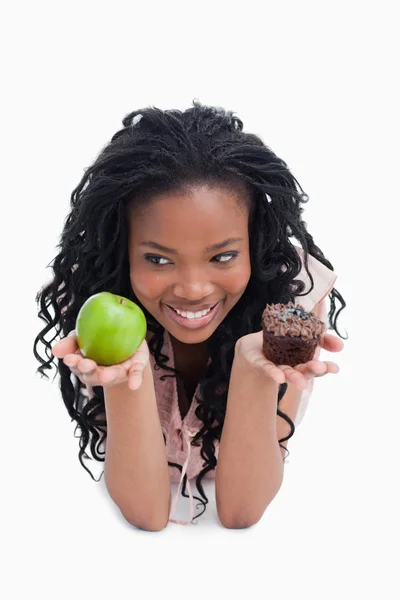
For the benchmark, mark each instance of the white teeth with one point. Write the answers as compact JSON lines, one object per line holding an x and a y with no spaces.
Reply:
{"x":191,"y":315}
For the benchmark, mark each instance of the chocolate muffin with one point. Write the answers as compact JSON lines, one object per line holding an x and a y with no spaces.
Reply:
{"x":290,"y":334}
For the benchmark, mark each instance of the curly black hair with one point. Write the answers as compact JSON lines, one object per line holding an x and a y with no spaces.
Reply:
{"x":160,"y":151}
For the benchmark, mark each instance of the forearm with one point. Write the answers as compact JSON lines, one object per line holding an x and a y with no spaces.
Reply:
{"x":250,"y":468}
{"x":290,"y":405}
{"x":136,"y":466}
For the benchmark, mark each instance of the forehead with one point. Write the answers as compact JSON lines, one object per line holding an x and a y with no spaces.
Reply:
{"x":200,"y":217}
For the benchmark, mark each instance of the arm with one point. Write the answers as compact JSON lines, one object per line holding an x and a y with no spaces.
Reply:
{"x":250,"y":468}
{"x":136,"y":465}
{"x":249,"y":472}
{"x":290,"y":403}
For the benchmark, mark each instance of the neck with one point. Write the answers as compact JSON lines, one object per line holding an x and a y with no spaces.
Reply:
{"x":189,"y":356}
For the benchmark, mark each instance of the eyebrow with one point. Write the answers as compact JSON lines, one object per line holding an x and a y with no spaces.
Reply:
{"x":212,"y":248}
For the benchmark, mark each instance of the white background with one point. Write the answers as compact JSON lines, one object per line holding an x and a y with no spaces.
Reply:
{"x":317,"y":81}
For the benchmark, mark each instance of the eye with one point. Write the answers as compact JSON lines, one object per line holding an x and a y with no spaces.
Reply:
{"x":227,"y":257}
{"x":220,"y":258}
{"x":156,"y":260}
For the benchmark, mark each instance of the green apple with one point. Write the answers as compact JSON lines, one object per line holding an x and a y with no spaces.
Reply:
{"x":110,"y":328}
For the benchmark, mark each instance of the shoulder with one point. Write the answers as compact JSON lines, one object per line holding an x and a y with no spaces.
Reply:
{"x":323,"y":278}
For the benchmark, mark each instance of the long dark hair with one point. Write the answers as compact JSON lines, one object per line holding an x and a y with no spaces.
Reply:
{"x":160,"y":151}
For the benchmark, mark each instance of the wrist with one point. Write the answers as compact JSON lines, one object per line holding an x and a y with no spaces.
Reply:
{"x":252,"y":393}
{"x":249,"y":377}
{"x":250,"y":370}
{"x":122,"y":387}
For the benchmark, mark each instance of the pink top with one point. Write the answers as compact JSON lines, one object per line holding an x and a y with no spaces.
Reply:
{"x":179,"y":432}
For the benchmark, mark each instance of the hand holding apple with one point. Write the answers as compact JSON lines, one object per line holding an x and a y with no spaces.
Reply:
{"x":110,"y":328}
{"x":108,"y":346}
{"x":89,"y":372}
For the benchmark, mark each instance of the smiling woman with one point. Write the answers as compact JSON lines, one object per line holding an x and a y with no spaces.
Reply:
{"x":193,"y":219}
{"x":190,"y":276}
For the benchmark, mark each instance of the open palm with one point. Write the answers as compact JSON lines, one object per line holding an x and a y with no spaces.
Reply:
{"x":249,"y":348}
{"x":89,"y":372}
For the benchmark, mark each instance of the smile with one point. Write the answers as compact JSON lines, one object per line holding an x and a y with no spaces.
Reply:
{"x":192,"y":320}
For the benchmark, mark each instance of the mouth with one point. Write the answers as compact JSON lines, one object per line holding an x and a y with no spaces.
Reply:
{"x":192,"y":320}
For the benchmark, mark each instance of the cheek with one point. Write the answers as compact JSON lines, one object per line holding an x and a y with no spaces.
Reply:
{"x":145,"y":284}
{"x":236,"y":281}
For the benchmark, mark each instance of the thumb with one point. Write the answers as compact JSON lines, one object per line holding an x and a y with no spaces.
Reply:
{"x":331,"y":343}
{"x":138,"y":363}
{"x":67,"y":345}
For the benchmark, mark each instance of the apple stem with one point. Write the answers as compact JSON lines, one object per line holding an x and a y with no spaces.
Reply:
{"x":121,"y":301}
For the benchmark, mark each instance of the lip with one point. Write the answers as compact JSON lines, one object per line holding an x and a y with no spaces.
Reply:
{"x":192,"y":308}
{"x":192,"y":323}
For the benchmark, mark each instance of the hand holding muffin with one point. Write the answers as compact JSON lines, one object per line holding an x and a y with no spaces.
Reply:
{"x":284,"y":349}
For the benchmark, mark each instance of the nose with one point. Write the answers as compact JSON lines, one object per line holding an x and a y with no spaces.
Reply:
{"x":193,"y":286}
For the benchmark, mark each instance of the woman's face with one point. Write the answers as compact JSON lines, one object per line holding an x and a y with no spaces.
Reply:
{"x":189,"y":252}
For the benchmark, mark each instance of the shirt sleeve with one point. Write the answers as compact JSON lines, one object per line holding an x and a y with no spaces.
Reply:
{"x":324,"y":280}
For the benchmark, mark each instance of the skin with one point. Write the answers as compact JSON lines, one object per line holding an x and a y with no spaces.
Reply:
{"x":189,"y":222}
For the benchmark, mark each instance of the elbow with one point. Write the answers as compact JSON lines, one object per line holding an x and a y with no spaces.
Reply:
{"x":148,"y":518}
{"x":148,"y":514}
{"x":240,"y":518}
{"x":237,"y":524}
{"x":241,"y":521}
{"x":152,"y":523}
{"x":243,"y":517}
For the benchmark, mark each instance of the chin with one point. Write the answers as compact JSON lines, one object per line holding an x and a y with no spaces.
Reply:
{"x":191,"y":337}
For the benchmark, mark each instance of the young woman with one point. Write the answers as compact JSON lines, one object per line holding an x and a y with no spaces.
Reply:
{"x":195,"y":221}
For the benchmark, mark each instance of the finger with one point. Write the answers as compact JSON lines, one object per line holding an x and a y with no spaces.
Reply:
{"x":81,"y":376}
{"x":107,"y":375}
{"x":331,"y":343}
{"x":317,"y":368}
{"x":265,"y":366}
{"x":295,"y":377}
{"x":272,"y":371}
{"x":87,"y":366}
{"x":312,"y":368}
{"x":76,"y":372}
{"x":72,"y":360}
{"x":67,"y":345}
{"x":332,"y":367}
{"x":97,"y":377}
{"x":135,"y":379}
